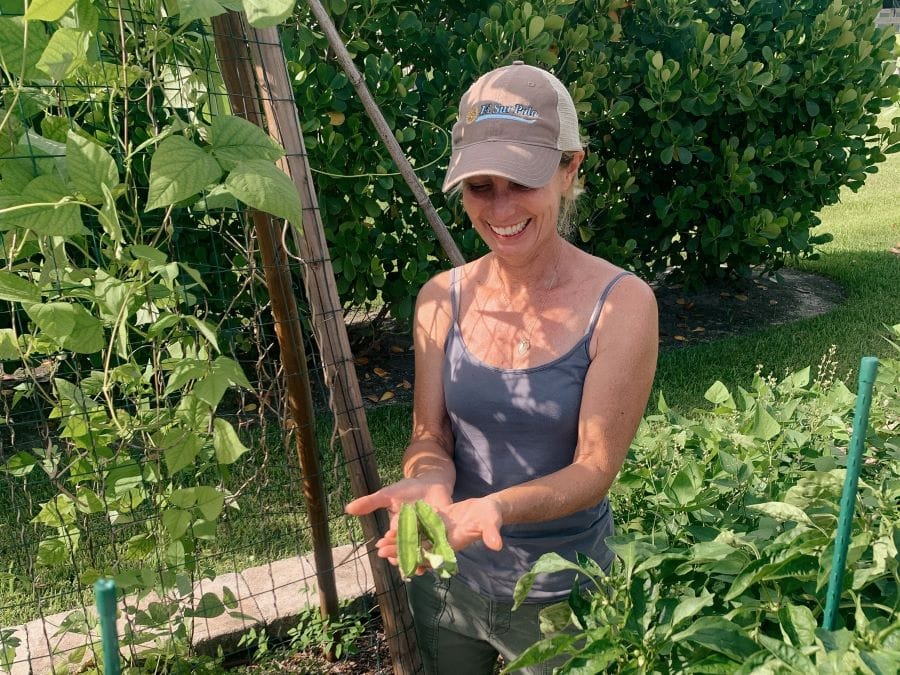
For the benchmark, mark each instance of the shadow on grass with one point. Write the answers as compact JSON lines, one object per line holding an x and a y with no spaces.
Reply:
{"x":855,"y":328}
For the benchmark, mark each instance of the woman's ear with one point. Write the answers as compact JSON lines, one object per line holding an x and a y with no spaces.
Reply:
{"x":571,"y":169}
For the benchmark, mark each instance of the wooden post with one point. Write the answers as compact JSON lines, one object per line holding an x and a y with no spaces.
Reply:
{"x":282,"y":121}
{"x":234,"y":64}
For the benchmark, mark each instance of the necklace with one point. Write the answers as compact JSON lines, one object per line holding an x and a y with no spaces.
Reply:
{"x":524,"y":343}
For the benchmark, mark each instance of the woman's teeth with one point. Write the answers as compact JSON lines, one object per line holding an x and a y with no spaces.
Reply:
{"x":511,"y":230}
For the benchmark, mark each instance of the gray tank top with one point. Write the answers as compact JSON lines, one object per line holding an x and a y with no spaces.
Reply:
{"x":510,"y":426}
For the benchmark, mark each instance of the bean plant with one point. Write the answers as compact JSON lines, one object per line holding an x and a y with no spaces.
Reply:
{"x":116,"y":138}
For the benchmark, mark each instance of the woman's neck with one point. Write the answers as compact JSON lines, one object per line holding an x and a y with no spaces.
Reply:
{"x":541,"y":272}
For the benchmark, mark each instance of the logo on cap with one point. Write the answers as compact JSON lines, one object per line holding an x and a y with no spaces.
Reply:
{"x":498,"y":111}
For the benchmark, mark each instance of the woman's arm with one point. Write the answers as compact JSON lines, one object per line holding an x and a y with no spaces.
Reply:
{"x":616,"y":390}
{"x":428,"y":461}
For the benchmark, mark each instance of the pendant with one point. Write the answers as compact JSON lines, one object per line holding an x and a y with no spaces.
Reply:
{"x":524,"y":346}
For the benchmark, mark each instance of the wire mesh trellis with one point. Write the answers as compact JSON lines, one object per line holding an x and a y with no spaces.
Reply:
{"x":143,"y":398}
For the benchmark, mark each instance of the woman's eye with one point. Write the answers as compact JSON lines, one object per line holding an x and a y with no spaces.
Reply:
{"x":478,"y":187}
{"x":520,"y":188}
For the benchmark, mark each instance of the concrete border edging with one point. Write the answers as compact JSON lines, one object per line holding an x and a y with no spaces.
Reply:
{"x":270,"y":596}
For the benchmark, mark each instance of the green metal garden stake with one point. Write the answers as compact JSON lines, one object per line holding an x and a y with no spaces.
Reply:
{"x":867,"y":370}
{"x":105,"y":591}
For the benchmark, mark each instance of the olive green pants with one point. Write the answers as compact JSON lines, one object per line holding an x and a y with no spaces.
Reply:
{"x":460,"y":632}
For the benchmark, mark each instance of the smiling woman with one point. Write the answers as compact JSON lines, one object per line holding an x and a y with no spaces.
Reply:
{"x":533,"y":367}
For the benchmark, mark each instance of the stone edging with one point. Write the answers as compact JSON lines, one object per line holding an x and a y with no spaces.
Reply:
{"x":270,"y":596}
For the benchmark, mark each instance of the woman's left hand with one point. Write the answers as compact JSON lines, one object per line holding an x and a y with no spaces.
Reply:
{"x":471,"y":520}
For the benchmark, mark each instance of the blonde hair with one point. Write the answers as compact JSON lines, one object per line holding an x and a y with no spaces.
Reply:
{"x":565,"y":222}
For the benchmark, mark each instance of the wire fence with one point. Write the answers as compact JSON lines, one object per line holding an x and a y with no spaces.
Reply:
{"x":145,"y":435}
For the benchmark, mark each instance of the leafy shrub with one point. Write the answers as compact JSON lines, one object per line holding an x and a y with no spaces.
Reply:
{"x":717,"y":128}
{"x":728,"y":520}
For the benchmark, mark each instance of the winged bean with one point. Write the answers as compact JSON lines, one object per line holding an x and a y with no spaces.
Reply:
{"x":441,"y":552}
{"x":408,"y":540}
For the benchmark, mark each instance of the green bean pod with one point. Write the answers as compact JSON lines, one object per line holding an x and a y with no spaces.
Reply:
{"x":408,"y":540}
{"x":442,"y":557}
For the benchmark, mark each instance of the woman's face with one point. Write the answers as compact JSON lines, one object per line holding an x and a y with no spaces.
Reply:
{"x":514,"y":219}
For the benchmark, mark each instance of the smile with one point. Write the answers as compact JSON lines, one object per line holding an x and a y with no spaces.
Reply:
{"x":510,"y":231}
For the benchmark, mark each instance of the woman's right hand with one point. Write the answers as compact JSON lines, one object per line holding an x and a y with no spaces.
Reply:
{"x":392,"y":497}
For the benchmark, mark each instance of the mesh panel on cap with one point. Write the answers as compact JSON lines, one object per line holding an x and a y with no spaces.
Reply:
{"x":569,"y":139}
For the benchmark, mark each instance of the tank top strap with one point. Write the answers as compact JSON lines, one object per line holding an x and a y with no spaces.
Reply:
{"x":454,"y":294}
{"x":599,"y":306}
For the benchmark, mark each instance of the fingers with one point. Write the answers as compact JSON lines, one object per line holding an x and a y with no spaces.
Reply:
{"x":492,"y":539}
{"x":367,"y":504}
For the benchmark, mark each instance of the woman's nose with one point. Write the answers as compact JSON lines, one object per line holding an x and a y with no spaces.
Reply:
{"x":502,"y":206}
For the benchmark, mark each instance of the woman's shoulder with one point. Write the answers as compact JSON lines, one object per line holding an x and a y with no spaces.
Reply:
{"x":439,"y":285}
{"x":610,"y":279}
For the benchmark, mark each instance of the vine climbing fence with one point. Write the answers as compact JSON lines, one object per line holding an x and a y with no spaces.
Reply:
{"x":179,"y":406}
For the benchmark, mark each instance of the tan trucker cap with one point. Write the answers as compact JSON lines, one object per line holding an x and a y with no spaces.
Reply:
{"x":514,"y":122}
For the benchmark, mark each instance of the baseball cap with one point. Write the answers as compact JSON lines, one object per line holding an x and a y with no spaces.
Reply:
{"x":514,"y":122}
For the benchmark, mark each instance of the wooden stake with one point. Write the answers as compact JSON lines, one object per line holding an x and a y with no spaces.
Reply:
{"x":385,"y":132}
{"x":282,"y":121}
{"x":235,"y":65}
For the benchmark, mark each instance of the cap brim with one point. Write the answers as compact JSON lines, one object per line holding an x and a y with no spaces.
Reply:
{"x":529,"y":165}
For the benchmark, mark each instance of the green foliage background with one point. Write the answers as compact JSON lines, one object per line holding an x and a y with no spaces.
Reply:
{"x":717,"y":129}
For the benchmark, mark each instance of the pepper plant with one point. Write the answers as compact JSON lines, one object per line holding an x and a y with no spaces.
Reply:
{"x":727,"y":522}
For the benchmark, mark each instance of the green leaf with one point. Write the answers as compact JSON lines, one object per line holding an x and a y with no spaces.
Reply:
{"x":52,"y":551}
{"x":176,"y":522}
{"x":140,"y":546}
{"x":236,"y":140}
{"x":180,"y":448}
{"x":206,"y":330}
{"x":267,"y":13}
{"x":799,"y":624}
{"x":788,"y":655}
{"x":19,"y":55}
{"x":210,"y":501}
{"x":554,"y":618}
{"x":20,"y":464}
{"x":782,"y":512}
{"x":179,"y":170}
{"x":70,"y":325}
{"x":48,"y":10}
{"x":189,"y":10}
{"x":226,"y":442}
{"x":109,"y":217}
{"x":764,"y":426}
{"x":58,"y":512}
{"x":685,"y":486}
{"x":14,"y":288}
{"x":183,"y":498}
{"x":690,"y":606}
{"x":720,"y":635}
{"x":51,"y":216}
{"x":535,"y":27}
{"x":719,"y":395}
{"x":65,"y":53}
{"x":541,"y":651}
{"x":90,"y":166}
{"x":263,"y":186}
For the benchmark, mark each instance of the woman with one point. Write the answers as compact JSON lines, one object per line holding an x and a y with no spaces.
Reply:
{"x":533,"y":368}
